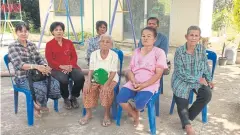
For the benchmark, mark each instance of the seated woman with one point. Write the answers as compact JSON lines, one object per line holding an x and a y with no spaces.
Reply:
{"x":93,"y":43}
{"x":24,"y":56}
{"x":62,"y":57}
{"x":191,"y":71}
{"x":146,"y":68}
{"x":106,"y":59}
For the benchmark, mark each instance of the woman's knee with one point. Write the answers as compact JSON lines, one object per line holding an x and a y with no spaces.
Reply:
{"x":140,"y":105}
{"x":78,"y":77}
{"x":142,"y":98}
{"x":62,"y":79}
{"x":120,"y":99}
{"x":123,"y":95}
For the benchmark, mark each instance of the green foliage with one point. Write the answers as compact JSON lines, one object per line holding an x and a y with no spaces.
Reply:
{"x":222,"y":15}
{"x":236,"y":14}
{"x":31,"y":15}
{"x":79,"y":35}
{"x":230,"y":39}
{"x":221,"y":19}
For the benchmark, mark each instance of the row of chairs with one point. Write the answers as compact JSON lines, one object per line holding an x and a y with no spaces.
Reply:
{"x":153,"y":105}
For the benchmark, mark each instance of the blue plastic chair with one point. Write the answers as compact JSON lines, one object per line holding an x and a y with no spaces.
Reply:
{"x":151,"y":110}
{"x":116,"y":89}
{"x":157,"y":104}
{"x":29,"y":100}
{"x":213,"y":57}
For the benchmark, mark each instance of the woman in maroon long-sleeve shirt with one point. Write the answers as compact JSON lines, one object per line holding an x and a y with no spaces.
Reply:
{"x":62,"y":57}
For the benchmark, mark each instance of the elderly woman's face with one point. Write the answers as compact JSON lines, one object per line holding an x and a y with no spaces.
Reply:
{"x":102,"y":29}
{"x":148,"y":38}
{"x":105,"y":43}
{"x":58,"y":32}
{"x":193,"y":37}
{"x":22,"y":34}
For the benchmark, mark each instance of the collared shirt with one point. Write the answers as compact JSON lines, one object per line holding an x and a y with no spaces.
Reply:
{"x":161,"y":42}
{"x":110,"y":63}
{"x":93,"y":45}
{"x":57,"y":55}
{"x":20,"y":55}
{"x":188,"y":69}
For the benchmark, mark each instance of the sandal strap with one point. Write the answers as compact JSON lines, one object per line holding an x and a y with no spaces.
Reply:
{"x":106,"y":123}
{"x":84,"y":121}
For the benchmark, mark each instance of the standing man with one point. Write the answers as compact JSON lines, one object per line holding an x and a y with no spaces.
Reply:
{"x":161,"y":40}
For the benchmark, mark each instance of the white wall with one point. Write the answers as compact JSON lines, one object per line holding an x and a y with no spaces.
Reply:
{"x":184,"y":13}
{"x":205,"y":19}
{"x":101,"y":13}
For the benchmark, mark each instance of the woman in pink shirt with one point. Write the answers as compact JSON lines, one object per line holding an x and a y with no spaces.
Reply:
{"x":146,"y":68}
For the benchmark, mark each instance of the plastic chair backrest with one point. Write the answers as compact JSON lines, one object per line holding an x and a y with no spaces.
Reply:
{"x":120,"y":57}
{"x":6,"y":61}
{"x":212,"y":56}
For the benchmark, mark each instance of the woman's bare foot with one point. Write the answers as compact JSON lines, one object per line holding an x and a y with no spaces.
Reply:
{"x":37,"y":105}
{"x":45,"y":109}
{"x":136,"y":118}
{"x":189,"y":129}
{"x":106,"y":121}
{"x":37,"y":113}
{"x":85,"y":120}
{"x":37,"y":108}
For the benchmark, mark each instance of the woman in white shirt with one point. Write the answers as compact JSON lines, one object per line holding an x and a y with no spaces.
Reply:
{"x":106,"y":59}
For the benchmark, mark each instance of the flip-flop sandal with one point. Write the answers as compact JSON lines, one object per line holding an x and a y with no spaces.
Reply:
{"x":84,"y":121}
{"x":67,"y":105}
{"x":44,"y":110}
{"x":136,"y":125}
{"x":106,"y":123}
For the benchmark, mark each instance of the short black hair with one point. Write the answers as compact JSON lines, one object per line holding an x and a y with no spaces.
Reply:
{"x":20,"y":26}
{"x":193,"y":27}
{"x":100,"y":23}
{"x":55,"y":24}
{"x":154,"y":31}
{"x":153,"y":18}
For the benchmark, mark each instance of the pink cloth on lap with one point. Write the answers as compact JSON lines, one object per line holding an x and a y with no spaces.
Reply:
{"x":144,"y":67}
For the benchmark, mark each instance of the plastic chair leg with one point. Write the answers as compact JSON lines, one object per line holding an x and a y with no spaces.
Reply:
{"x":204,"y":115}
{"x":191,"y":94}
{"x":84,"y":112}
{"x":157,"y":106}
{"x":151,"y":117}
{"x":114,"y":104}
{"x":119,"y":115}
{"x":172,"y":105}
{"x":16,"y":102}
{"x":56,"y":105}
{"x":30,"y":109}
{"x":114,"y":109}
{"x":161,"y":85}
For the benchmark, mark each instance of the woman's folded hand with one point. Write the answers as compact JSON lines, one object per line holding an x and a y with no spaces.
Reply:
{"x":46,"y":70}
{"x":139,"y":86}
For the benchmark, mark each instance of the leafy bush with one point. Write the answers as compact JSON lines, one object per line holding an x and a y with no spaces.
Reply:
{"x":31,"y":14}
{"x":236,"y":14}
{"x":79,"y":35}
